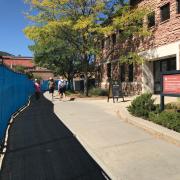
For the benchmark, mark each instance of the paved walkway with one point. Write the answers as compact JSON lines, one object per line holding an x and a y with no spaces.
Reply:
{"x":41,"y":147}
{"x":124,"y":151}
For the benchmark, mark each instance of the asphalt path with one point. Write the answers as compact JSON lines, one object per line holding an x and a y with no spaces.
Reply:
{"x":41,"y":147}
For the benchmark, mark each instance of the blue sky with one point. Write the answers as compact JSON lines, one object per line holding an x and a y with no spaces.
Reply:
{"x":12,"y":23}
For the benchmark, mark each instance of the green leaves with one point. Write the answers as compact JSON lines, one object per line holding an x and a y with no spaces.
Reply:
{"x":131,"y":57}
{"x":71,"y":30}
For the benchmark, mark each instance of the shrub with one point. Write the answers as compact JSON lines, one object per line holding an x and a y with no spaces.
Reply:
{"x":142,"y":105}
{"x":170,"y":120}
{"x":20,"y":69}
{"x":98,"y":92}
{"x":170,"y":106}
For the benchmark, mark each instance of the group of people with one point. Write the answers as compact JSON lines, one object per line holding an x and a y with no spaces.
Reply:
{"x":61,"y":87}
{"x":51,"y":87}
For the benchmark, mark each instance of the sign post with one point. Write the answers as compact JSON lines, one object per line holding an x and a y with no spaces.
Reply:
{"x":116,"y":91}
{"x":170,"y":86}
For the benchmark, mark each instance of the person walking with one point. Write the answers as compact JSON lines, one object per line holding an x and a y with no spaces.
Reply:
{"x":51,"y":86}
{"x":37,"y":89}
{"x":61,"y":88}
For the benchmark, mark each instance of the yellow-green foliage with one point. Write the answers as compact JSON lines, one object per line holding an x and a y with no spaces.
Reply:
{"x":79,"y":21}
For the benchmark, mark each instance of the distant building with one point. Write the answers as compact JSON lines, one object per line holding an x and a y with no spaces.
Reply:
{"x":44,"y":73}
{"x":29,"y":65}
{"x":12,"y":62}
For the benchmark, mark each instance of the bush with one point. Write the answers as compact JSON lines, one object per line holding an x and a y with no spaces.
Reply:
{"x":98,"y":92}
{"x":170,"y":106}
{"x":170,"y":120}
{"x":142,"y":105}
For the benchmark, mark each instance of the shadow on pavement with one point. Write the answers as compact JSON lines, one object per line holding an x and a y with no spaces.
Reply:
{"x":40,"y":147}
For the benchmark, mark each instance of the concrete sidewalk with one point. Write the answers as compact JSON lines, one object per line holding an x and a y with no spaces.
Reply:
{"x":124,"y":151}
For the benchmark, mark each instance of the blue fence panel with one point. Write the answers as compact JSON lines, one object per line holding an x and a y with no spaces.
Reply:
{"x":44,"y":85}
{"x":15,"y":89}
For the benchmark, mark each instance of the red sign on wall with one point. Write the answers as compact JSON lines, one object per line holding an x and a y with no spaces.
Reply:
{"x":171,"y":84}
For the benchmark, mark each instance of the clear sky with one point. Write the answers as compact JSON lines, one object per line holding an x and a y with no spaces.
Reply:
{"x":12,"y":23}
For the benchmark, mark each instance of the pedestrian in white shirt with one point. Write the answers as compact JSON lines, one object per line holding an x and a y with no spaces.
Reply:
{"x":61,"y":88}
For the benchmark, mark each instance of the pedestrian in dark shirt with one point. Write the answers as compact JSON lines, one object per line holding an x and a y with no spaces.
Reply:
{"x":52,"y":86}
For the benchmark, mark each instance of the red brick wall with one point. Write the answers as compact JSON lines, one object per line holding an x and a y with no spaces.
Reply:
{"x":13,"y":61}
{"x":43,"y":74}
{"x":163,"y":32}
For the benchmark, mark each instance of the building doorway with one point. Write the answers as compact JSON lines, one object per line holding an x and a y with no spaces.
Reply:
{"x":162,"y":66}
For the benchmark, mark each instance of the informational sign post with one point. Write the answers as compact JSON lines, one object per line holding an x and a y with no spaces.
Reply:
{"x":170,"y":85}
{"x":116,"y":91}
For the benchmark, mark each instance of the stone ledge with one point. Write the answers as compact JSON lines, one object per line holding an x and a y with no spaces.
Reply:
{"x":155,"y":129}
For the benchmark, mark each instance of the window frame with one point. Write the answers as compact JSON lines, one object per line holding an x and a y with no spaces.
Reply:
{"x":178,"y":6}
{"x":131,"y":72}
{"x":109,"y":70}
{"x":114,"y":39}
{"x":123,"y":72}
{"x":149,"y":20}
{"x":102,"y":44}
{"x":165,"y":17}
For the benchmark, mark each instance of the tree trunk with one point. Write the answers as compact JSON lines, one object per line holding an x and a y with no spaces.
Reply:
{"x":86,"y":84}
{"x":86,"y":75}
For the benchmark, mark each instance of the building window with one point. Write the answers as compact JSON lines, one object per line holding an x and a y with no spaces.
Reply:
{"x":102,"y":44}
{"x":122,"y":69}
{"x":114,"y":39}
{"x":165,"y":12}
{"x":162,"y":66}
{"x":109,"y":70}
{"x":178,"y":6}
{"x":133,"y":2}
{"x":139,"y":23}
{"x":131,"y":73}
{"x":107,"y":42}
{"x":151,"y":19}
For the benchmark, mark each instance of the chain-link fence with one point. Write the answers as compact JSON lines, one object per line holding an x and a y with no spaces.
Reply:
{"x":15,"y":89}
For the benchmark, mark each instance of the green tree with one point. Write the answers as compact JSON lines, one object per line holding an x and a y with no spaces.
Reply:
{"x":82,"y":24}
{"x":20,"y":69}
{"x":57,"y":54}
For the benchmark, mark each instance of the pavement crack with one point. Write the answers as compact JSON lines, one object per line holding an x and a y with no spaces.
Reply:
{"x":127,"y":143}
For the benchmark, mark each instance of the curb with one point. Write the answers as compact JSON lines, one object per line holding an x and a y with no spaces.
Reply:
{"x":154,"y":129}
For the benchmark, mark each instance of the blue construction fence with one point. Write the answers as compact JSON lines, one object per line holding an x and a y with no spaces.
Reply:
{"x":44,"y":85}
{"x":15,"y":89}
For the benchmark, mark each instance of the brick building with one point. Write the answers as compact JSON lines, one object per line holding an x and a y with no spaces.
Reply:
{"x":161,"y":50}
{"x":12,"y":62}
{"x":29,"y":65}
{"x":44,"y":73}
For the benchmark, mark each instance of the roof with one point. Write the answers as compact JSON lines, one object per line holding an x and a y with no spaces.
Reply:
{"x":18,"y":61}
{"x":17,"y":57}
